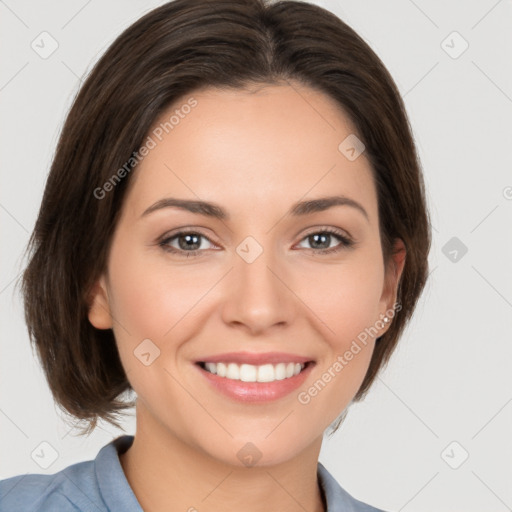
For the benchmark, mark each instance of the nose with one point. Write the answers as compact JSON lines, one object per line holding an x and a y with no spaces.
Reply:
{"x":259,"y":293}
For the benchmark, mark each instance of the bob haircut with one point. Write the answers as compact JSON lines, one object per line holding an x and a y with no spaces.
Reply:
{"x":174,"y":50}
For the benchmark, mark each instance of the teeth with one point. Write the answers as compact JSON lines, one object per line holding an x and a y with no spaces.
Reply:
{"x":251,"y":373}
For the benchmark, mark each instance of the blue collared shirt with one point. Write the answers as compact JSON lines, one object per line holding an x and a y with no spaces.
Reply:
{"x":100,"y":485}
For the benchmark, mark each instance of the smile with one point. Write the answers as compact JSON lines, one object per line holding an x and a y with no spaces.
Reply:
{"x":253,"y":373}
{"x":249,"y":377}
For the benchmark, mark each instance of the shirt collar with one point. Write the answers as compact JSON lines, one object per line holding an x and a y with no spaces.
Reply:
{"x":336,"y":498}
{"x":114,"y":487}
{"x":118,"y":495}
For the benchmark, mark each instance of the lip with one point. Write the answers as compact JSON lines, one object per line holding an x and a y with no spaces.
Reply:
{"x":255,"y":359}
{"x":256,"y":392}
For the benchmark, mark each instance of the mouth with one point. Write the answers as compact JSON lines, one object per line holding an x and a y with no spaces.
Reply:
{"x":252,"y":373}
{"x":255,"y":377}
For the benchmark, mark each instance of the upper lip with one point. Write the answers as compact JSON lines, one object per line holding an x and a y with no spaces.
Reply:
{"x":255,"y":358}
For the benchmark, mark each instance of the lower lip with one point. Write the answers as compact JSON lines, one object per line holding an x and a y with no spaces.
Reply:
{"x":257,"y":391}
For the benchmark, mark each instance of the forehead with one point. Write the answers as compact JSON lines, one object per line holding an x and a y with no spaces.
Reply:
{"x":250,"y":149}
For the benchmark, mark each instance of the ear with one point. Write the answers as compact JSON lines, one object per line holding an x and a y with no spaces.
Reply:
{"x":394,"y":269}
{"x":99,"y":307}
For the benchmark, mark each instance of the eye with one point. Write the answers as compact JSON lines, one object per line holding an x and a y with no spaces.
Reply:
{"x":189,"y":243}
{"x":324,"y":238}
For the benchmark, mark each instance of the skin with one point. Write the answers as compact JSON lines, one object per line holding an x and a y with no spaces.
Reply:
{"x":255,"y":154}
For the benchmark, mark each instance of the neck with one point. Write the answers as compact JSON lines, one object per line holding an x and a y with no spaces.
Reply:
{"x":167,"y":474}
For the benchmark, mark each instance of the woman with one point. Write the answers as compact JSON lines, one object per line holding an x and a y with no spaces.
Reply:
{"x":235,"y":228}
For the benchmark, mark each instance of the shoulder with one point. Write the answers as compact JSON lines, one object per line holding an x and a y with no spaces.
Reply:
{"x":71,"y":489}
{"x":97,"y":485}
{"x":337,"y":498}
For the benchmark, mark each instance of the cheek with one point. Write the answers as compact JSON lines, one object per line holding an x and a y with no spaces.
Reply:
{"x":152,"y":300}
{"x":345,"y":300}
{"x":151,"y":296}
{"x":345,"y":296}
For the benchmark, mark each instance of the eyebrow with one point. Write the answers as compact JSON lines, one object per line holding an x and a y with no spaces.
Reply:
{"x":214,"y":210}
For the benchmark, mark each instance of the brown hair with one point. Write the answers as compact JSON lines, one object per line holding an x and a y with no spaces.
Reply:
{"x":180,"y":47}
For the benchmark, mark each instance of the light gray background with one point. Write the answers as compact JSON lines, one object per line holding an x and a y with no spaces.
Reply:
{"x":450,"y":379}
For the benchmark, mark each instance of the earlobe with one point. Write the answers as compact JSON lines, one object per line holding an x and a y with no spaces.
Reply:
{"x":99,"y":307}
{"x":393,"y":275}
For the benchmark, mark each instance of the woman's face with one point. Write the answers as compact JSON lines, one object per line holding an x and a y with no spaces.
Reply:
{"x":255,"y":286}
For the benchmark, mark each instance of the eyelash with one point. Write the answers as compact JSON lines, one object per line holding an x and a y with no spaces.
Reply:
{"x":345,"y":242}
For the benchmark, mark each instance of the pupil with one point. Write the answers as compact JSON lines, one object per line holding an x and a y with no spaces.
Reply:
{"x":316,"y":237}
{"x":188,"y":238}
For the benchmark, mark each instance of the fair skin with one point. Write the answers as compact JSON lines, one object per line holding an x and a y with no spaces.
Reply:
{"x":254,"y":155}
